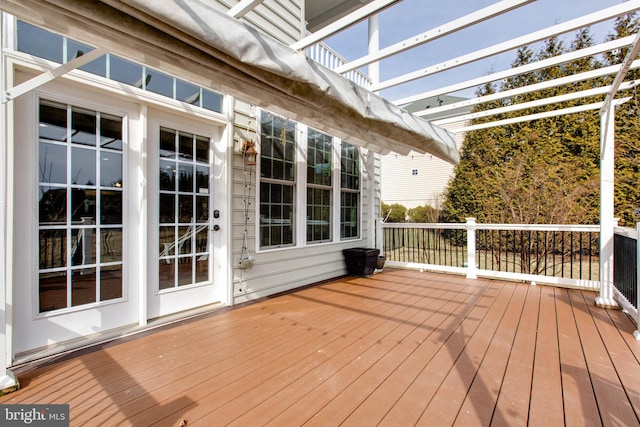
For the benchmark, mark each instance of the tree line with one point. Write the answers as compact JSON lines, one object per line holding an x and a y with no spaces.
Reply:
{"x":546,"y":171}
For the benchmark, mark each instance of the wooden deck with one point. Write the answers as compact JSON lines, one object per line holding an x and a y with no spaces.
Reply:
{"x":400,"y":348}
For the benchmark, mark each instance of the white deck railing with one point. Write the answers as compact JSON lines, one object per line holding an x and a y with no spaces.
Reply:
{"x":327,"y":57}
{"x":561,"y":255}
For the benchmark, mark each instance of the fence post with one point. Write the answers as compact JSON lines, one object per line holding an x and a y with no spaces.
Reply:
{"x":636,"y":333}
{"x":470,"y":226}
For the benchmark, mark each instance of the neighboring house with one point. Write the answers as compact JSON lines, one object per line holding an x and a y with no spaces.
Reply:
{"x":419,"y":179}
{"x":130,"y":191}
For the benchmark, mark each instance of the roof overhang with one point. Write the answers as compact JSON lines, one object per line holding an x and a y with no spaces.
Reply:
{"x":191,"y":39}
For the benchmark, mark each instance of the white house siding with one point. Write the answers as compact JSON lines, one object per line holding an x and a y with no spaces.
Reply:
{"x":281,"y":19}
{"x":274,"y":271}
{"x":426,"y":188}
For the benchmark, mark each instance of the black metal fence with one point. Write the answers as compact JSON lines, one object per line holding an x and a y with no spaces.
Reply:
{"x":425,"y":245}
{"x":625,"y":267}
{"x":562,"y":253}
{"x":567,"y":253}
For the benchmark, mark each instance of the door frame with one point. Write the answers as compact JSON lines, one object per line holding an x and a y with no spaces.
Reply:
{"x":219,"y":257}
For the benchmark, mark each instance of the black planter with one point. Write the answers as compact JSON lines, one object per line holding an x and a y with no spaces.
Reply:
{"x":361,"y":262}
{"x":380,"y":262}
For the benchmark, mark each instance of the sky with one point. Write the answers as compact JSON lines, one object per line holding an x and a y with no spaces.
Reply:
{"x":412,"y":17}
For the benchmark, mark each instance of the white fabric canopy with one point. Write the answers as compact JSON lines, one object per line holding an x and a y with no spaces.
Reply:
{"x":217,"y":51}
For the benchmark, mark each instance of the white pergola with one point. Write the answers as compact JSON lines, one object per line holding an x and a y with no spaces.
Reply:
{"x":169,"y":18}
{"x":605,"y":105}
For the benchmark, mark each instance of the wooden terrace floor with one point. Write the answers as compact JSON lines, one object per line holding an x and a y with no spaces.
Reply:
{"x":400,"y":348}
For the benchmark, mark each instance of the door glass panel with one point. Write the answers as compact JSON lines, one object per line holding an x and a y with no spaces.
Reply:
{"x":52,"y":291}
{"x":83,"y":288}
{"x":80,"y":240}
{"x":185,"y":177}
{"x":110,"y":132}
{"x":186,"y":146}
{"x":52,"y":164}
{"x":83,"y":127}
{"x":52,"y":205}
{"x":167,"y":175}
{"x":53,"y":249}
{"x":111,"y":246}
{"x":183,"y":239}
{"x":111,"y":283}
{"x":83,"y":166}
{"x":111,"y":170}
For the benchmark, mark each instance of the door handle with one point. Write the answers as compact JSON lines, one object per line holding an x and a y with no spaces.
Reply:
{"x":216,"y":227}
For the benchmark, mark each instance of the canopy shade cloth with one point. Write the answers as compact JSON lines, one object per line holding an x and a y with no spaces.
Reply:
{"x":189,"y":38}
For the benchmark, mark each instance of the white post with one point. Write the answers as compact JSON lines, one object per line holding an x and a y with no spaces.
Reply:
{"x":607,"y":222}
{"x":374,"y":46}
{"x":7,"y":379}
{"x":471,"y":248}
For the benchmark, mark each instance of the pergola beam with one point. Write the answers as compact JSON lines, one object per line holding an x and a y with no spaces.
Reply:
{"x":546,"y":114}
{"x":537,"y":103}
{"x":625,"y":66}
{"x":435,"y":33}
{"x":560,"y":59}
{"x":515,"y":43}
{"x":599,"y":72}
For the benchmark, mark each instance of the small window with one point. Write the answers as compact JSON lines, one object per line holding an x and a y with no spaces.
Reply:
{"x":53,"y":47}
{"x":38,"y":42}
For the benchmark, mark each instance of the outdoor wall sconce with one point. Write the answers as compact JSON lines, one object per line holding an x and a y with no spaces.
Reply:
{"x":250,"y":153}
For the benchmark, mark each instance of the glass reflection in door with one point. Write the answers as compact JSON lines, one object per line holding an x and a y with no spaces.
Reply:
{"x":183,"y":208}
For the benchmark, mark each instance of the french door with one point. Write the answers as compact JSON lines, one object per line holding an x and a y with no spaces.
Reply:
{"x":70,"y":232}
{"x":181,"y":272}
{"x":113,"y":219}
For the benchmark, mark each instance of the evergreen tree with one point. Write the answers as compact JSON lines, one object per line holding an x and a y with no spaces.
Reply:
{"x":627,"y":133}
{"x":547,"y":170}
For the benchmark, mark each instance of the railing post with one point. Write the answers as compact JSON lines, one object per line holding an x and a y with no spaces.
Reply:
{"x":470,"y":226}
{"x":607,"y":221}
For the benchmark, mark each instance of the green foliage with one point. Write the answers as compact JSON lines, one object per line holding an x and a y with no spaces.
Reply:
{"x":394,"y":212}
{"x":546,"y":170}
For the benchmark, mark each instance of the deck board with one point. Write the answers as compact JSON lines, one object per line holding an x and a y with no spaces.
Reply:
{"x":399,"y":348}
{"x":546,"y":407}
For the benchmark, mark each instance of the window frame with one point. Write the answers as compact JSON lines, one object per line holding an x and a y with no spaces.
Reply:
{"x":288,"y":182}
{"x":300,"y":195}
{"x":352,"y":191}
{"x":326,"y":188}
